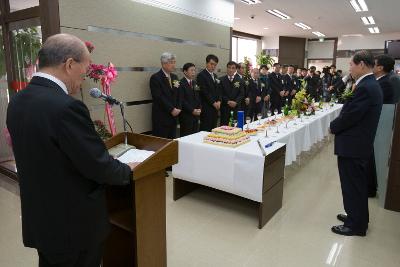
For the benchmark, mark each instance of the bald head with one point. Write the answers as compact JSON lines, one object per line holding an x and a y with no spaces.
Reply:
{"x":59,"y":48}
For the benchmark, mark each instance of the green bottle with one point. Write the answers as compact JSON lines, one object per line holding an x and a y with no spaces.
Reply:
{"x":231,"y":123}
{"x":286,"y":108}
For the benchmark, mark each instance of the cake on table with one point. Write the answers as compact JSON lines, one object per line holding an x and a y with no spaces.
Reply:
{"x":227,"y":136}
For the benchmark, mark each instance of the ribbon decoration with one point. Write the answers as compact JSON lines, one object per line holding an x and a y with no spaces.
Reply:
{"x":110,"y":74}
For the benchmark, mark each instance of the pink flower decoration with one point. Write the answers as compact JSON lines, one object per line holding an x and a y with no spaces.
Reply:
{"x":89,"y":46}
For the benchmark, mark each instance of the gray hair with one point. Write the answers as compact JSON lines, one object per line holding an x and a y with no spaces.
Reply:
{"x":59,"y":48}
{"x":167,"y":57}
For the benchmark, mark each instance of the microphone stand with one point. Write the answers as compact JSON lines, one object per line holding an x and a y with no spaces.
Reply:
{"x":121,"y":106}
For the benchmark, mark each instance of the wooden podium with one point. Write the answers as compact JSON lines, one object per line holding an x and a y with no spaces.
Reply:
{"x":137,"y":211}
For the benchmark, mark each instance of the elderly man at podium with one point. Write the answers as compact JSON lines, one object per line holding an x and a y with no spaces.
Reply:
{"x":63,"y":165}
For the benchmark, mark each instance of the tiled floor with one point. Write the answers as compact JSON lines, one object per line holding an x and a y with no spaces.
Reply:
{"x":209,"y":228}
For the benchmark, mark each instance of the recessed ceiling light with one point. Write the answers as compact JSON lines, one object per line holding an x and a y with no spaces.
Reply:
{"x":359,"y":5}
{"x":368,"y":21}
{"x":374,"y":30}
{"x":278,"y":14}
{"x":319,"y":34}
{"x":266,"y":28}
{"x":302,"y":25}
{"x":237,"y":18}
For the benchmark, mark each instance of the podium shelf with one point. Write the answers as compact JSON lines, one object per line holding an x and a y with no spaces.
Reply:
{"x":123,"y":219}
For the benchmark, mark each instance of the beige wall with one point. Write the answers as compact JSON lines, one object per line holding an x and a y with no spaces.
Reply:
{"x":123,"y":20}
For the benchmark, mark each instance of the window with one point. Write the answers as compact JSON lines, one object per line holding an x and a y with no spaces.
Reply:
{"x":243,"y":47}
{"x":26,"y":40}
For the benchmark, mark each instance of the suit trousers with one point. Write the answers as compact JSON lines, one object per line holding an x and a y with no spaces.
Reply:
{"x":276,"y":104}
{"x":188,"y":125}
{"x":164,"y":131}
{"x":208,"y":119}
{"x":85,"y":258}
{"x":372,"y":179}
{"x":354,"y":183}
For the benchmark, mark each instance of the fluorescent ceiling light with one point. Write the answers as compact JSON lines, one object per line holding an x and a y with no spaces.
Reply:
{"x":352,"y":35}
{"x":374,"y":30}
{"x":359,"y":5}
{"x":302,"y":25}
{"x":368,"y":21}
{"x":278,"y":14}
{"x":251,"y":2}
{"x":266,"y":28}
{"x":319,"y":34}
{"x":237,"y":18}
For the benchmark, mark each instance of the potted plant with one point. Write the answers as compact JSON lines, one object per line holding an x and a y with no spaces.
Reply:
{"x":264,"y":59}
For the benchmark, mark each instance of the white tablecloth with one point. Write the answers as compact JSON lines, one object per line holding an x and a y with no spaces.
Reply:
{"x":240,"y":170}
{"x":301,"y":137}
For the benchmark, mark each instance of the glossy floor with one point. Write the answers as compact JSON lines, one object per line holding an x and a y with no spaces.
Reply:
{"x":210,"y":228}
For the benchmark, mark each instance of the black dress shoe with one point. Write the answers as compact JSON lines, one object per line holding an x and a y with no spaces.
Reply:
{"x":343,"y":230}
{"x":372,"y":194}
{"x":341,"y":217}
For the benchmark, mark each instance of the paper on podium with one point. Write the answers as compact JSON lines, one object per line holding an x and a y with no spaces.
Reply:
{"x":135,"y":155}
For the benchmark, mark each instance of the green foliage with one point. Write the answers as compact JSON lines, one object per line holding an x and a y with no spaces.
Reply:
{"x":101,"y":130}
{"x":264,"y":59}
{"x":247,"y":68}
{"x":26,"y":45}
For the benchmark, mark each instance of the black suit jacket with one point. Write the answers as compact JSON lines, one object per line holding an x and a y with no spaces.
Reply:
{"x":256,"y":89}
{"x":190,"y":99}
{"x":231,"y":92}
{"x":355,"y":127}
{"x":276,"y":84}
{"x":387,"y":89}
{"x":63,"y":166}
{"x":165,"y":99}
{"x":209,"y":91}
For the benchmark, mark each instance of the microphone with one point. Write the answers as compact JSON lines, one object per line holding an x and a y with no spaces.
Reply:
{"x":96,"y":93}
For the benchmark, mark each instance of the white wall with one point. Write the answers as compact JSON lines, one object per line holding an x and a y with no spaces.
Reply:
{"x":319,"y":50}
{"x":270,"y":42}
{"x":366,"y":41}
{"x":209,"y":10}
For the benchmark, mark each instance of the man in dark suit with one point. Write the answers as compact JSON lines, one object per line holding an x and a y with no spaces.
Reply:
{"x":164,"y":86}
{"x":313,"y":83}
{"x":257,"y":91}
{"x":276,"y":84}
{"x":210,"y":96}
{"x":241,"y":69}
{"x":63,"y":165}
{"x":383,"y":69}
{"x":191,"y":107}
{"x":292,"y":84}
{"x":354,"y":131}
{"x":232,"y":93}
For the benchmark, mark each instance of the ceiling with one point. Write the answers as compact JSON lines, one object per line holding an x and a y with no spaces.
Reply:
{"x":333,"y":18}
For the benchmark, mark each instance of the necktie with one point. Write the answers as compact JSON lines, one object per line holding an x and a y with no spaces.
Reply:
{"x":230,"y":78}
{"x":190,"y":83}
{"x":170,"y":82}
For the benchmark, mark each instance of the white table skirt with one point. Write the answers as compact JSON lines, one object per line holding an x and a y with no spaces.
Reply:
{"x":240,"y":170}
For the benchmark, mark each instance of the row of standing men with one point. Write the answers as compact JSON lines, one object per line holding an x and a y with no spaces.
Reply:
{"x":206,"y":97}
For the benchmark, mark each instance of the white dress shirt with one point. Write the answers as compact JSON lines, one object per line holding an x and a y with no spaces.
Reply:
{"x":53,"y":79}
{"x":362,"y":77}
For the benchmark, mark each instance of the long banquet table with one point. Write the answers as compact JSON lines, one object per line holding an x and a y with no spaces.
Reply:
{"x":245,"y":170}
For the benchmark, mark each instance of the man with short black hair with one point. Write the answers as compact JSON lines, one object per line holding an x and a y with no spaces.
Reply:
{"x":276,"y":89}
{"x":383,"y":69}
{"x":210,"y":95}
{"x":313,"y":80}
{"x":63,"y":165}
{"x":354,"y":131}
{"x":232,"y":93}
{"x":191,"y":107}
